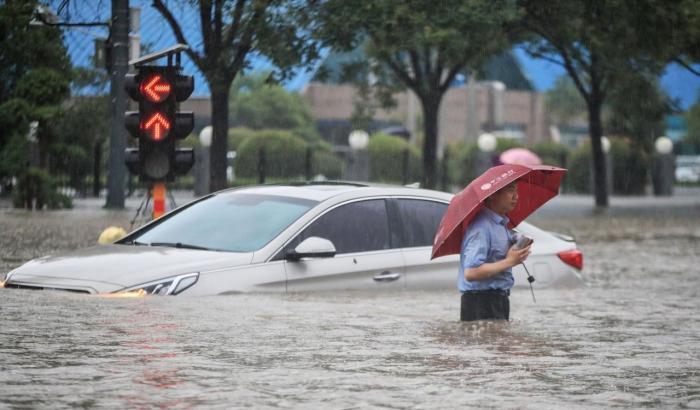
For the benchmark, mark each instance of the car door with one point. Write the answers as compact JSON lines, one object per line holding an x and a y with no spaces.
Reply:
{"x":365,"y":257}
{"x":419,"y":220}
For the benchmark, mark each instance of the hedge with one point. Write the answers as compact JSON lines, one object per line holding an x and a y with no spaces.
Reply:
{"x":630,"y":165}
{"x":285,"y":155}
{"x":386,"y":155}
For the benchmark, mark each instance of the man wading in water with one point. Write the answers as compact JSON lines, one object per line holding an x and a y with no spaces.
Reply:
{"x":487,"y":258}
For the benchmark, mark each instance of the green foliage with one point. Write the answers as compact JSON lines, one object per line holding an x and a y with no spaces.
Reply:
{"x":284,"y":154}
{"x":419,"y":45}
{"x":36,"y":189}
{"x":630,"y":167}
{"x":637,"y":108}
{"x":579,"y":175}
{"x":270,"y":107}
{"x":24,"y":47}
{"x":692,"y":117}
{"x":504,"y":144}
{"x":257,"y":104}
{"x":462,"y":164}
{"x":72,"y":160}
{"x":231,"y":31}
{"x":387,"y":153}
{"x":551,"y":153}
{"x":14,"y":120}
{"x":325,"y":162}
{"x":14,"y":155}
{"x":464,"y":159}
{"x":34,"y":82}
{"x":564,"y":102}
{"x":237,"y":135}
{"x":605,"y":44}
{"x":42,"y":86}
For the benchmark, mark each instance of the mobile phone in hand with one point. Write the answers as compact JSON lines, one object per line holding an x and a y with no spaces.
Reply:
{"x":522,"y":242}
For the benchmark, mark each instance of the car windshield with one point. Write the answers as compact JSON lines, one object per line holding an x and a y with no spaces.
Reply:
{"x":235,"y":222}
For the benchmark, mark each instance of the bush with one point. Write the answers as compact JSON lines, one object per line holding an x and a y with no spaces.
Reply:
{"x":630,"y":167}
{"x":386,"y":155}
{"x":579,"y":175}
{"x":464,"y":159}
{"x":36,"y":189}
{"x":504,"y":144}
{"x":462,"y":163}
{"x":325,"y":162}
{"x":285,"y":154}
{"x":551,"y":153}
{"x":237,"y":135}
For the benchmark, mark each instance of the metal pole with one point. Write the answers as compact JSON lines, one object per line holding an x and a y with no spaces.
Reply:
{"x":119,"y":39}
{"x":261,"y":165}
{"x":307,"y":164}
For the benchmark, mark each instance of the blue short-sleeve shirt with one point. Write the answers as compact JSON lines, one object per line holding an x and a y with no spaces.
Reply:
{"x":486,"y":240}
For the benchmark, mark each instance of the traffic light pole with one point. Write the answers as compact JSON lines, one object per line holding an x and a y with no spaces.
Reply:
{"x":119,"y":37}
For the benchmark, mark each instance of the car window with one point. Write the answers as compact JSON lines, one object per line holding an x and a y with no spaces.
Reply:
{"x":236,"y":222}
{"x":355,"y":227}
{"x":419,"y":221}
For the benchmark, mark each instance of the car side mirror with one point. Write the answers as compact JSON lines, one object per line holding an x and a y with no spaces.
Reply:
{"x":313,"y":247}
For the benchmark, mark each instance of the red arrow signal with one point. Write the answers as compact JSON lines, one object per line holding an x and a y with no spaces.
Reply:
{"x":156,"y":126}
{"x":155,"y":88}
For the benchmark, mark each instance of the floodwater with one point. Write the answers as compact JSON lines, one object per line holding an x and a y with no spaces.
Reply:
{"x":629,"y":338}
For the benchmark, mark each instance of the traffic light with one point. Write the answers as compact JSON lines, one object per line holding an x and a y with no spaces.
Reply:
{"x":158,"y":123}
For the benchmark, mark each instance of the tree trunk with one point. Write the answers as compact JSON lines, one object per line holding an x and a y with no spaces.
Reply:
{"x":431,"y":109}
{"x":219,"y":143}
{"x":600,"y":186}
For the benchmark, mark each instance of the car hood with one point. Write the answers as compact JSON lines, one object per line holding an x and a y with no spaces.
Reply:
{"x":107,"y":268}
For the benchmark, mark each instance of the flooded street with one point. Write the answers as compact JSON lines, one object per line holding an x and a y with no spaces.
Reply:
{"x":629,"y":338}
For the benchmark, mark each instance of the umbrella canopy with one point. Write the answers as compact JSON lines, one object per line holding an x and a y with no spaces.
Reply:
{"x":519,"y":156}
{"x":537,"y":184}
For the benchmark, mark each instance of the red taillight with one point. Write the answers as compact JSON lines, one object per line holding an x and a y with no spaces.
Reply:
{"x":572,"y":258}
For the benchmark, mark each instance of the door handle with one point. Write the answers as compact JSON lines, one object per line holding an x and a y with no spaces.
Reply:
{"x":386,"y":277}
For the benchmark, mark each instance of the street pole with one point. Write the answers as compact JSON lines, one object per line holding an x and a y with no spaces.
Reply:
{"x":119,"y":42}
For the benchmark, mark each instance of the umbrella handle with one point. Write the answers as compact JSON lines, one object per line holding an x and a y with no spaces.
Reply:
{"x":530,"y":279}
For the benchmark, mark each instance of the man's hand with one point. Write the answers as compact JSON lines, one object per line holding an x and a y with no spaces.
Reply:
{"x":516,"y":256}
{"x":487,"y":270}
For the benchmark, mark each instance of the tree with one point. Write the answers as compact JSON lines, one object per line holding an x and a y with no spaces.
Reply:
{"x":637,"y":109}
{"x":693,"y":119}
{"x":599,"y":43}
{"x":564,"y":103}
{"x":421,"y":45}
{"x":232,"y":30}
{"x":256,"y":104}
{"x":686,"y":38}
{"x":24,"y":48}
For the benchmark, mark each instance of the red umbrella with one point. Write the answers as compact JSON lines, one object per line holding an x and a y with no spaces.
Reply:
{"x":537,"y":184}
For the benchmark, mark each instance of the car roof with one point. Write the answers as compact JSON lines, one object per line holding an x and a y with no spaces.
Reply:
{"x":323,"y":191}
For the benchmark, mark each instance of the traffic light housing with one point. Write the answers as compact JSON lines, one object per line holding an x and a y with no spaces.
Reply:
{"x":158,"y":123}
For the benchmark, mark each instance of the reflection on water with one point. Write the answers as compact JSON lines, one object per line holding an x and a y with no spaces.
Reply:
{"x":628,"y":338}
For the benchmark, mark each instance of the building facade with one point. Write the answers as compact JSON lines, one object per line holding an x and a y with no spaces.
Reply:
{"x":466,"y":111}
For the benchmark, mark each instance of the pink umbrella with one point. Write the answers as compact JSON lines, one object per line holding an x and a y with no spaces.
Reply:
{"x":520,"y":156}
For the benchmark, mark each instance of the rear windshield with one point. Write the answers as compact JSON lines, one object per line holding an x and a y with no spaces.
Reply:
{"x":235,"y":222}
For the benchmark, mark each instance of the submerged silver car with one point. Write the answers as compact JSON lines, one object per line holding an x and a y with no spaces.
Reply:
{"x":286,"y":239}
